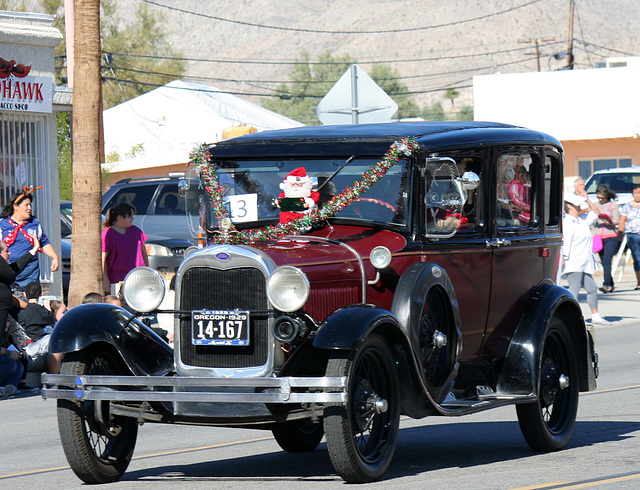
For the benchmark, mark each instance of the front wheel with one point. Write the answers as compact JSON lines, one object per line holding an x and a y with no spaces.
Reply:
{"x":548,"y":423}
{"x":361,"y":436}
{"x":299,"y":436}
{"x":97,"y":445}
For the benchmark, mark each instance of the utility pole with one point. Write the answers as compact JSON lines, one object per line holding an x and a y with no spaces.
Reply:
{"x":537,"y":42}
{"x":570,"y":42}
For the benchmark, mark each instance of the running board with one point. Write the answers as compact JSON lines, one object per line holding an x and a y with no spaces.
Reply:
{"x":453,"y":407}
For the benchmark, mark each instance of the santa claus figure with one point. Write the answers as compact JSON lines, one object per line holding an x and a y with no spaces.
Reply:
{"x":296,"y":197}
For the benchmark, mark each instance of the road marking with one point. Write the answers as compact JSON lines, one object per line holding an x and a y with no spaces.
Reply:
{"x":633,"y":387}
{"x":145,"y":456}
{"x":583,"y":484}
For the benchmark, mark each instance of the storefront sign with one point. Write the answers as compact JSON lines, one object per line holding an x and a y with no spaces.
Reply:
{"x":21,"y":92}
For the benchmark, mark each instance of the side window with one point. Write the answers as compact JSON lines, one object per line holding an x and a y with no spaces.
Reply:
{"x":169,"y":201}
{"x":552,"y":188}
{"x":138,"y":196}
{"x":516,"y":177}
{"x":452,"y":205}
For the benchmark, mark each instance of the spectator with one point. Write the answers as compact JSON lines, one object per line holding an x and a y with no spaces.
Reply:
{"x":630,"y":224}
{"x":11,"y":370}
{"x":606,"y":228}
{"x":578,"y":260}
{"x":92,"y":298}
{"x":579,"y":188}
{"x":8,"y":272}
{"x":38,"y":322}
{"x":112,"y":300}
{"x":20,"y":230}
{"x":123,"y":246}
{"x":58,"y":308}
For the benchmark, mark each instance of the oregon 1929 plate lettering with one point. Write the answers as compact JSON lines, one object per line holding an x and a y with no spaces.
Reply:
{"x":220,"y":327}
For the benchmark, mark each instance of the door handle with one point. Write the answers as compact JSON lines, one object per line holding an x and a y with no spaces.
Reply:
{"x":497,"y":243}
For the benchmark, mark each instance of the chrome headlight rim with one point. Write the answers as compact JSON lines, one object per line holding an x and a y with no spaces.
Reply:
{"x":136,"y":283}
{"x":295,"y":299}
{"x":380,"y":257}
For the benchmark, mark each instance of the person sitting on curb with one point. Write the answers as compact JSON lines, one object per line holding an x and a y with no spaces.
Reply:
{"x":38,"y":321}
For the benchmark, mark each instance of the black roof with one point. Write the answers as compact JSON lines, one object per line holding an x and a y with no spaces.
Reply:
{"x":374,"y":139}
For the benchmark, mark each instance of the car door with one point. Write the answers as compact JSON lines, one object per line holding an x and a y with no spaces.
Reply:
{"x":516,"y":241}
{"x":461,"y":250}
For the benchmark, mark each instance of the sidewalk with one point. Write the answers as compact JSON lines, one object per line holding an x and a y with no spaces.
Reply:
{"x":622,"y":307}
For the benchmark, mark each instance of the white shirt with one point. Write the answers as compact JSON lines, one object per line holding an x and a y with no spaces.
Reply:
{"x":577,"y":244}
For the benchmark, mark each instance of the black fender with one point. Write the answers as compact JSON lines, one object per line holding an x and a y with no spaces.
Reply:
{"x":91,"y":325}
{"x":408,"y":304}
{"x":520,"y":371}
{"x":346,"y":327}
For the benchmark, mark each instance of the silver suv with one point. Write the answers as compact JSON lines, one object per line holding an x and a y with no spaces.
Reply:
{"x":159,"y":208}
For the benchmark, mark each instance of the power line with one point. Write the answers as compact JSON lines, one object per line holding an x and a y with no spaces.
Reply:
{"x":322,"y":31}
{"x":288,"y":96}
{"x":285,"y":62}
{"x":307,"y":82}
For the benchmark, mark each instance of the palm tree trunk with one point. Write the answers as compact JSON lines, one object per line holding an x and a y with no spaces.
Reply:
{"x":86,"y":266}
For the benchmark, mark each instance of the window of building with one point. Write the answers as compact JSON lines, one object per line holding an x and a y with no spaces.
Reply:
{"x":587,"y":167}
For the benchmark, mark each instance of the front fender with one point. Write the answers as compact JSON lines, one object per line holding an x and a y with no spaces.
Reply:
{"x":520,"y":374}
{"x":346,"y":327}
{"x":86,"y":325}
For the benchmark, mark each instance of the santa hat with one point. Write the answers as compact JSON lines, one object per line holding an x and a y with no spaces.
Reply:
{"x":297,"y":175}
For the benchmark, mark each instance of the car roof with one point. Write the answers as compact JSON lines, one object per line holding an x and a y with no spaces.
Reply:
{"x":172,"y":177}
{"x":618,"y":170}
{"x":375,"y":139}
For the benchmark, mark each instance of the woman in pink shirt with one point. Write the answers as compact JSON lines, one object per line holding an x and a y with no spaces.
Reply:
{"x":123,"y":246}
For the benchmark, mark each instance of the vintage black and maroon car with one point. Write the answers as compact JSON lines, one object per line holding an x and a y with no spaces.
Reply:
{"x":421,"y":284}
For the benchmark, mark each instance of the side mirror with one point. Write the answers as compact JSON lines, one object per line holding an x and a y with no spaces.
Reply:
{"x":183,"y":187}
{"x":469,"y":181}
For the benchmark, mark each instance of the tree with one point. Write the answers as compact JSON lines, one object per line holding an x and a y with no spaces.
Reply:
{"x":126,"y":77}
{"x":465,"y":114}
{"x":434,"y":113}
{"x":86,"y":262}
{"x":309,"y":83}
{"x":452,"y":94}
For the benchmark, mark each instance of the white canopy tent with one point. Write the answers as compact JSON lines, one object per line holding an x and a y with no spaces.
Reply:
{"x":162,"y":126}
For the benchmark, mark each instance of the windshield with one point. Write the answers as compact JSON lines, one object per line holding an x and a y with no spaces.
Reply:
{"x":618,"y":182}
{"x":251,"y":190}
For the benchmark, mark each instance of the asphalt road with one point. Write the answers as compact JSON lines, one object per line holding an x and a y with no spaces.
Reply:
{"x":481,"y":451}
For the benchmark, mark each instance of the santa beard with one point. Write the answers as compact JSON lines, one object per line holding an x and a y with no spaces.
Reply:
{"x":303,"y":190}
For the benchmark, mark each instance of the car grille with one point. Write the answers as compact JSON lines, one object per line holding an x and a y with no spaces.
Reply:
{"x":204,"y":288}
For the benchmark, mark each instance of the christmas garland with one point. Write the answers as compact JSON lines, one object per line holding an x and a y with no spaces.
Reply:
{"x":201,"y":159}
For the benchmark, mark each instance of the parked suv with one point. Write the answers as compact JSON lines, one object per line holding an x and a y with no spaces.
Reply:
{"x":421,"y":283}
{"x":160,"y":210}
{"x":619,"y":180}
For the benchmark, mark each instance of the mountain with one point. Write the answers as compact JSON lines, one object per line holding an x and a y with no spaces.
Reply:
{"x":248,"y":46}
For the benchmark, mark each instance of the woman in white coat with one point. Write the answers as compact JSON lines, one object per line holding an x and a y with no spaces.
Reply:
{"x":579,"y":261}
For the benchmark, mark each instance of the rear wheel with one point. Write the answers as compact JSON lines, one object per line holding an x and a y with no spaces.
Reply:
{"x":97,"y":445}
{"x":361,"y":436}
{"x":548,"y":423}
{"x":299,"y":436}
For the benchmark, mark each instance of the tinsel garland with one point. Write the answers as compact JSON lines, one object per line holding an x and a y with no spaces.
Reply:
{"x":208,"y":172}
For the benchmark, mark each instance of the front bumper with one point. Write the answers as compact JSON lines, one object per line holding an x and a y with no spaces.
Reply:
{"x":195,"y":389}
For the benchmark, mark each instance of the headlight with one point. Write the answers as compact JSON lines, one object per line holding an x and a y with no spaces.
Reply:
{"x":158,"y":250}
{"x":380,"y":257}
{"x":288,"y":288}
{"x":143,"y":289}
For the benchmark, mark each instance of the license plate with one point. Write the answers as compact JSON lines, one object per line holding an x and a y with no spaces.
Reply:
{"x":220,"y":327}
